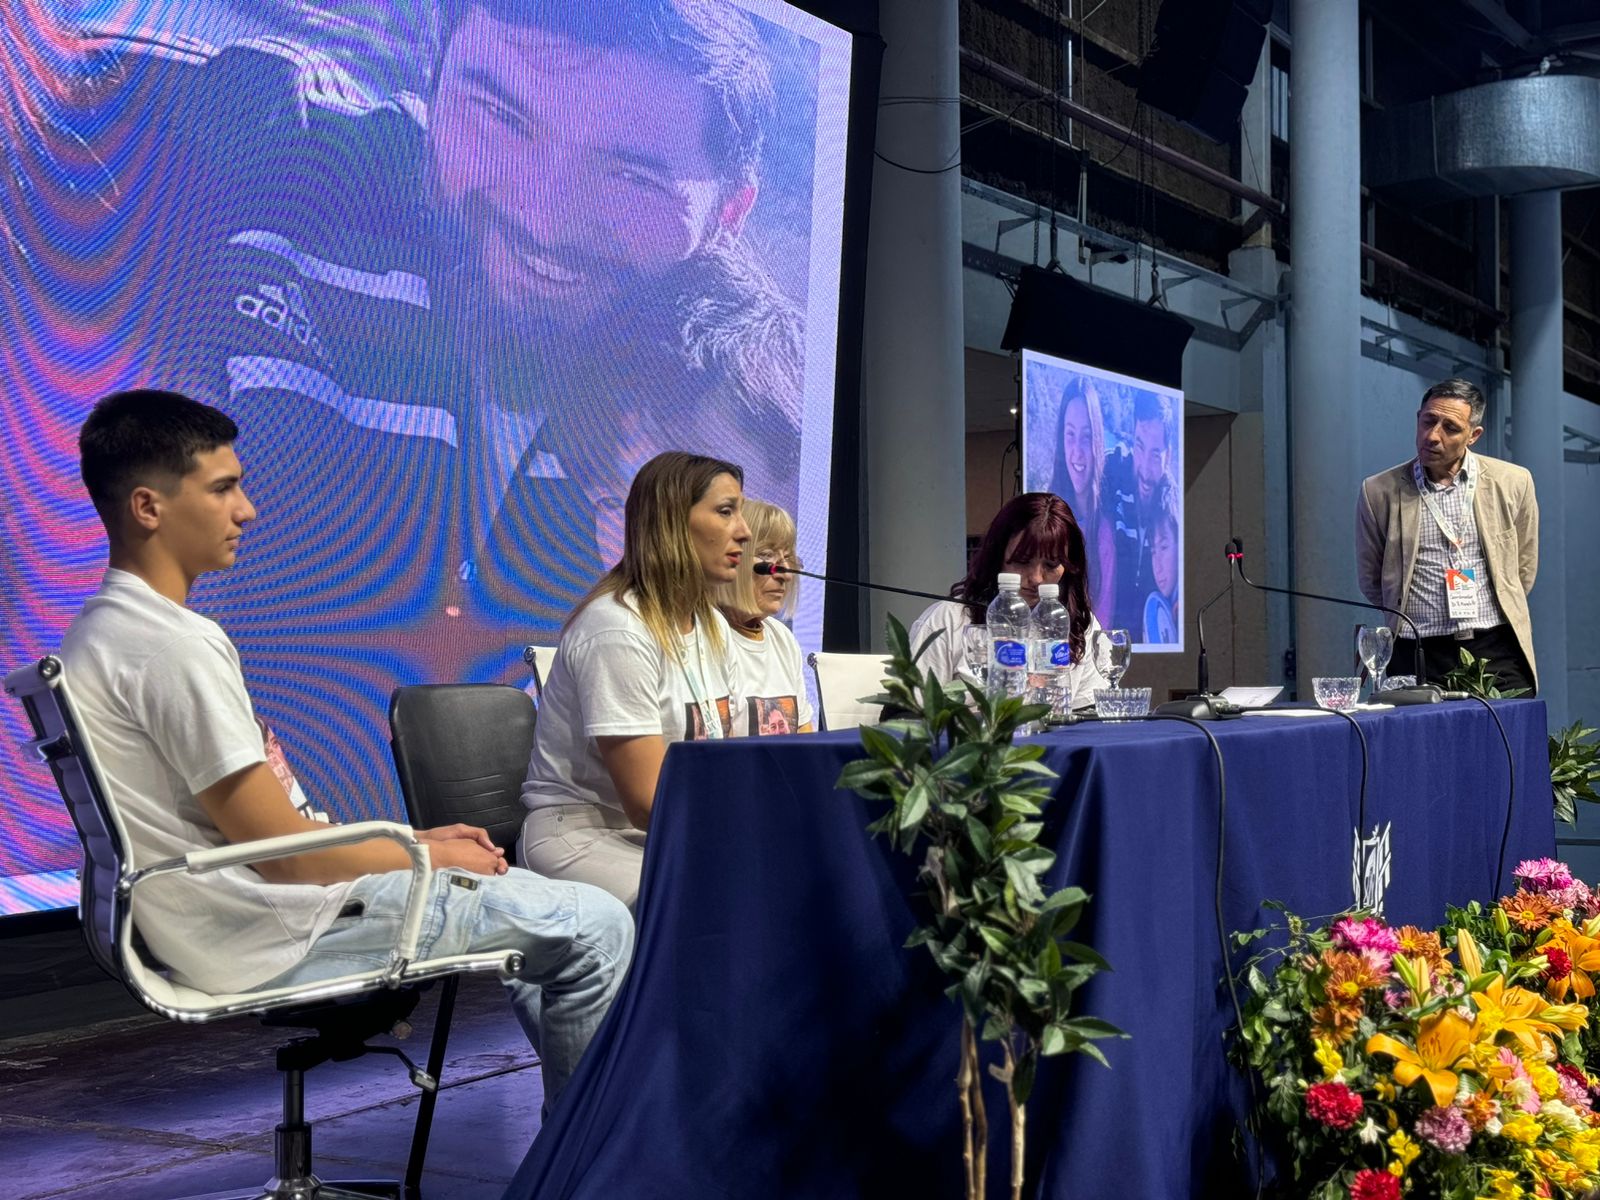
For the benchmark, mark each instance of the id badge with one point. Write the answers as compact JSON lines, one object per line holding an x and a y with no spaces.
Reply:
{"x":1461,"y":593}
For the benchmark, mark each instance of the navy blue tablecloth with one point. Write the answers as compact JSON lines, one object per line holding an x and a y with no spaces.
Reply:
{"x":775,"y":1040}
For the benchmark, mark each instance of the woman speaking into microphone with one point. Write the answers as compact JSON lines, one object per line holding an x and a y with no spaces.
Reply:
{"x":644,"y":660}
{"x":771,"y":683}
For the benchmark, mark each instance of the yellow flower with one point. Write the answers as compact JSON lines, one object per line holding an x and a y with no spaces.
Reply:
{"x":1327,"y":1058}
{"x":1405,"y":1152}
{"x":1502,"y":1185}
{"x":1385,"y":1090}
{"x":1517,"y":1011}
{"x":1522,"y":1128}
{"x":1545,"y":1081}
{"x":1467,"y":952}
{"x":1443,"y":1040}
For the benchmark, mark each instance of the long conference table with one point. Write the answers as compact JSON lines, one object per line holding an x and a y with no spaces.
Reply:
{"x":775,"y":1040}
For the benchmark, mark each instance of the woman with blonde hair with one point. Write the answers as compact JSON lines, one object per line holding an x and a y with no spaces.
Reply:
{"x":771,"y":683}
{"x":644,"y":660}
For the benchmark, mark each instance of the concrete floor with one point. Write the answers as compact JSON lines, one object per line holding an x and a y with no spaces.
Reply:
{"x":145,"y":1109}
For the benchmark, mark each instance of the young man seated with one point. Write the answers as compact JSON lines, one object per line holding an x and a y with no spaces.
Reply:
{"x":160,"y":689}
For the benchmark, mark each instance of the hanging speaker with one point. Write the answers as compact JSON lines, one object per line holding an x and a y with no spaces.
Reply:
{"x":1201,"y":61}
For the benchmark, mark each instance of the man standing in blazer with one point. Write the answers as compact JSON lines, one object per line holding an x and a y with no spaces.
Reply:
{"x":1451,"y":539}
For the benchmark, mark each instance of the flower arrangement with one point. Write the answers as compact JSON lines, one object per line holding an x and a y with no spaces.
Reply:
{"x":1448,"y":1063}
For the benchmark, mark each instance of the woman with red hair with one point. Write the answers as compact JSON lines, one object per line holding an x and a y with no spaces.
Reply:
{"x":1034,"y":536}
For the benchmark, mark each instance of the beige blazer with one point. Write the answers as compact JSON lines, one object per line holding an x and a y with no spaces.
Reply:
{"x":1387,"y":516}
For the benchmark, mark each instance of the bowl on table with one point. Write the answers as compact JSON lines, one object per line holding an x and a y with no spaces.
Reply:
{"x":1121,"y":704}
{"x":1336,"y":692}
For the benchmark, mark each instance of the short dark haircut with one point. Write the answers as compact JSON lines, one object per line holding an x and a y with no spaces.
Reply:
{"x":1152,"y":406}
{"x":1463,"y":390}
{"x":709,"y":40}
{"x":145,"y":438}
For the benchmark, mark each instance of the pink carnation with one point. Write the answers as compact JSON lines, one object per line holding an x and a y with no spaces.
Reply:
{"x":1368,"y":933}
{"x":1575,"y":895}
{"x":1543,"y":875}
{"x":1445,"y":1128}
{"x":1574,"y":1088}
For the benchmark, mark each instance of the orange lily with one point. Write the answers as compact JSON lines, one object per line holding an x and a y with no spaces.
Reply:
{"x":1521,"y":1013}
{"x":1585,"y":955}
{"x":1443,"y":1041}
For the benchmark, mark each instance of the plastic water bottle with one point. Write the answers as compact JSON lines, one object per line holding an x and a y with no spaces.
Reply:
{"x":1050,"y":675}
{"x":1010,"y":631}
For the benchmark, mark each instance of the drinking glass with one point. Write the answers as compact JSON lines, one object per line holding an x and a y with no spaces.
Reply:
{"x":975,"y":649}
{"x":1375,"y":645}
{"x":1113,"y":649}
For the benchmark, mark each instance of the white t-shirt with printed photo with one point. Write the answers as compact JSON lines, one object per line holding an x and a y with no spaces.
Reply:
{"x":611,"y":679}
{"x":772,"y":684}
{"x":161,"y":697}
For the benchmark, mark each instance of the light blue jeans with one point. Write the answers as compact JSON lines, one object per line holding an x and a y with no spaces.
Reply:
{"x":576,"y":942}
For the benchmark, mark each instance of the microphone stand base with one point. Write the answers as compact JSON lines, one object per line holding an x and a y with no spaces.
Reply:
{"x":1200,"y":708}
{"x":1425,"y":694}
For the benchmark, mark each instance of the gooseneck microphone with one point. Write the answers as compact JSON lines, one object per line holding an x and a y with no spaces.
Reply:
{"x":766,"y":568}
{"x":1423,"y":693}
{"x":1203,"y":706}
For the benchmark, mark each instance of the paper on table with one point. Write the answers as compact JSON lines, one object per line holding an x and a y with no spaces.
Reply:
{"x":1251,"y":697}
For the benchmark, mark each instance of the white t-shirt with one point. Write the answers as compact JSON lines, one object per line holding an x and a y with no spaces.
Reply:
{"x":161,"y":697}
{"x":947,"y":656}
{"x":611,"y":679}
{"x":771,"y":683}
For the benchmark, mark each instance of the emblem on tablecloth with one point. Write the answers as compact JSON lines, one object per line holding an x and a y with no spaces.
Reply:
{"x":1369,"y":868}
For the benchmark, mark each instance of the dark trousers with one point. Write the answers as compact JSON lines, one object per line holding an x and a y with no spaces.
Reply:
{"x":1498,"y":646}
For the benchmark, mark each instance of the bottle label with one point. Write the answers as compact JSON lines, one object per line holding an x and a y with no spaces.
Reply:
{"x":1060,"y":654}
{"x":1010,"y":653}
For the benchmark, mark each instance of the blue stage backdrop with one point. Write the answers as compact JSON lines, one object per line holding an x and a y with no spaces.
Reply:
{"x":457,"y":268}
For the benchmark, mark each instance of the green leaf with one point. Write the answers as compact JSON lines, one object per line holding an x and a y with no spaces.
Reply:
{"x":997,"y":941}
{"x":914,"y":805}
{"x":1053,"y":1041}
{"x":880,"y":745}
{"x":1094,"y":1027}
{"x":1022,"y":1076}
{"x":1085,"y":954}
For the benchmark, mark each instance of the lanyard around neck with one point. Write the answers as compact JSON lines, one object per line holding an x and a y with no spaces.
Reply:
{"x":1468,"y":485}
{"x":710,"y":719}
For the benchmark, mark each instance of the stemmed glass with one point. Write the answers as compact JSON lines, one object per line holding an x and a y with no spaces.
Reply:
{"x":975,"y":649}
{"x":1112,"y":651}
{"x":1375,"y":645}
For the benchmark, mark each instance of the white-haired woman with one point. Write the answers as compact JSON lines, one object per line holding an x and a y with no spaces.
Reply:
{"x":771,"y":682}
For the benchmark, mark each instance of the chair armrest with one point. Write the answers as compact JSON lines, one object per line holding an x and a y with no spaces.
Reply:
{"x":238,"y":854}
{"x":199,"y":862}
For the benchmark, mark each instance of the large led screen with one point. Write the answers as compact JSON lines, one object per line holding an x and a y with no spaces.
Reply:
{"x":1111,"y":446}
{"x":457,"y":268}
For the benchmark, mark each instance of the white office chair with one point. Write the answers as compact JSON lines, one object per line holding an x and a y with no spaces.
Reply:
{"x":541,"y":660}
{"x":842,"y":681}
{"x":344,"y":1011}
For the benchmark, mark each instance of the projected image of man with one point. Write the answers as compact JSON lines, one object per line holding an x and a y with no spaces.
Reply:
{"x":1134,"y":479}
{"x":593,"y":167}
{"x":534,"y":288}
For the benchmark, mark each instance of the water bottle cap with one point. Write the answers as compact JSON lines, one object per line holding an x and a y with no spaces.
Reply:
{"x":1008,"y":579}
{"x":1049,"y":591}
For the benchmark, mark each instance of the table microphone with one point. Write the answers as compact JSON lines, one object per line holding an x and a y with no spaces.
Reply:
{"x":1423,"y":693}
{"x":1203,"y":706}
{"x":766,"y":568}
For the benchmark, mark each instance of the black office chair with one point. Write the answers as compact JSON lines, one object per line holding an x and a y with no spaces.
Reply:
{"x":344,"y":1012}
{"x":461,"y":751}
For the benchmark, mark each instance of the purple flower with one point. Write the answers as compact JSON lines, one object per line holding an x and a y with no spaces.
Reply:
{"x":1576,"y":896}
{"x":1445,"y":1128}
{"x":1543,"y":874}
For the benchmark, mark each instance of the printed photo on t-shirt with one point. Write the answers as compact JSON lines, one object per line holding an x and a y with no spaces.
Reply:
{"x":279,"y":762}
{"x":773,"y":715}
{"x":694,"y":728}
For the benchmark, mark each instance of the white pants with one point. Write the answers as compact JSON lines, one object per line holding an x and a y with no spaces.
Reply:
{"x":586,"y":844}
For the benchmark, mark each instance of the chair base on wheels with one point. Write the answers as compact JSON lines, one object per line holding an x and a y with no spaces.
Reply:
{"x":342,"y":1030}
